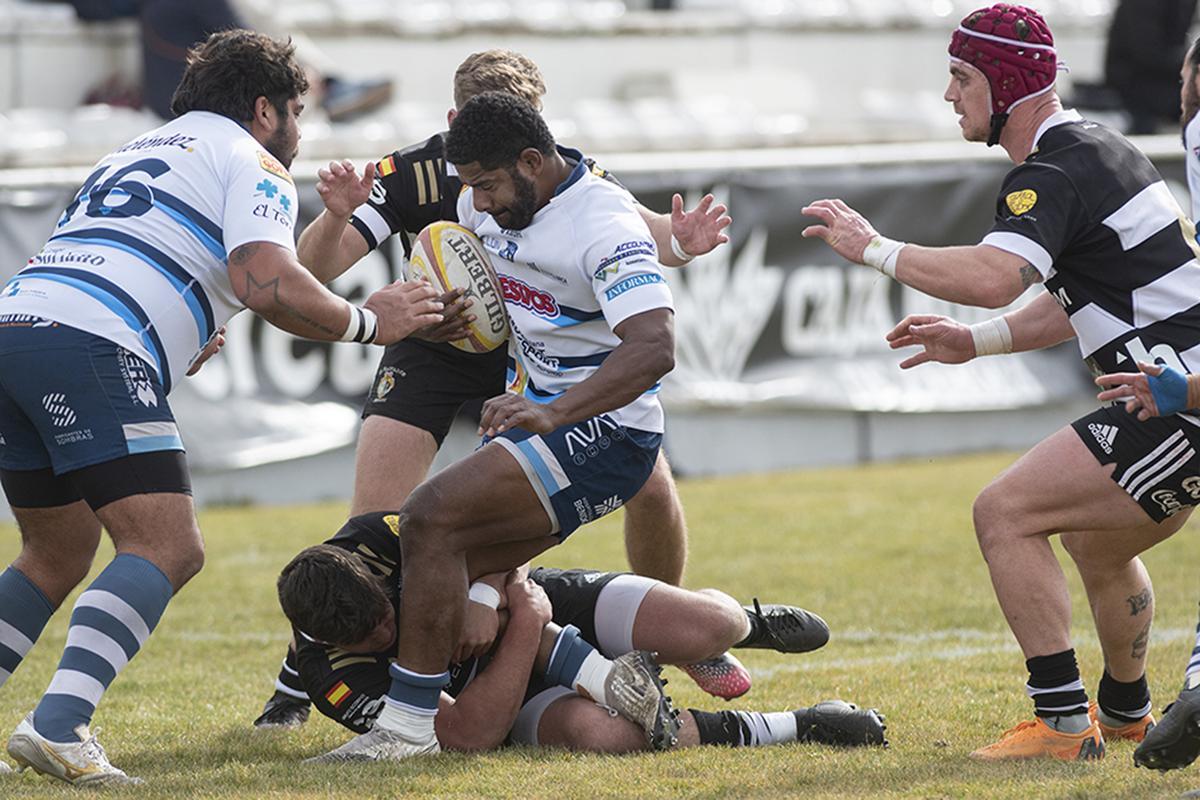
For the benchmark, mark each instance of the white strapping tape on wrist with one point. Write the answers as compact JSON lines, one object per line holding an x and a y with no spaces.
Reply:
{"x":678,"y":250}
{"x":484,"y":594}
{"x":363,"y":327}
{"x":992,"y":337}
{"x":882,"y":253}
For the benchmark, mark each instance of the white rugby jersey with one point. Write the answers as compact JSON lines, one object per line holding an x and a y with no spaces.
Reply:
{"x":1191,"y":145}
{"x":139,"y":256}
{"x":585,"y":264}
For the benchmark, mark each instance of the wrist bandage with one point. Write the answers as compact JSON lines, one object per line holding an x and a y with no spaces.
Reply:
{"x":678,"y":250}
{"x":882,"y":253}
{"x":363,"y":325}
{"x":484,"y":594}
{"x":992,"y":337}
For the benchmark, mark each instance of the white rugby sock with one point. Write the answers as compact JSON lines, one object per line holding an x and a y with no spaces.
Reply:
{"x":592,"y":676}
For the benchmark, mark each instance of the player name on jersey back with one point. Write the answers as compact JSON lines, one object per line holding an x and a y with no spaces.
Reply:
{"x":139,"y":256}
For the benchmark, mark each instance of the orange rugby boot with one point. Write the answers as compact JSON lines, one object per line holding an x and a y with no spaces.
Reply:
{"x":1036,"y":739}
{"x":1133,"y":731}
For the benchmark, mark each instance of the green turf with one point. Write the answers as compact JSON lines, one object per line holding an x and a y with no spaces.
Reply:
{"x":885,"y":553}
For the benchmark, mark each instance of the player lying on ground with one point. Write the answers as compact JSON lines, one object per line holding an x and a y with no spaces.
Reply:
{"x":343,"y":598}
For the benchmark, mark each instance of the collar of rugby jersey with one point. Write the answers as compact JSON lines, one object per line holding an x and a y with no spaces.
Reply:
{"x":570,"y":155}
{"x":1053,"y":121}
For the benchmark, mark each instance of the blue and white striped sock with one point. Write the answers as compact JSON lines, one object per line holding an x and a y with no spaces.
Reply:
{"x":578,"y":666}
{"x":109,"y":624}
{"x":411,"y":703}
{"x":24,"y":612}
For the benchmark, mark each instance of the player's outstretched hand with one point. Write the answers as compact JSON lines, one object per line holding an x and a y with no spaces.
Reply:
{"x":700,"y":230}
{"x":455,"y":319}
{"x":211,"y":349}
{"x":943,"y":340}
{"x":341,"y":189}
{"x":842,"y":228}
{"x":525,"y":598}
{"x":514,"y":411}
{"x":480,"y":627}
{"x":1156,"y":391}
{"x":403,"y":307}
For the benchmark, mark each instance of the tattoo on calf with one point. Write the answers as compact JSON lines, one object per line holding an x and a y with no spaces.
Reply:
{"x":1138,"y":650}
{"x":1138,"y":602}
{"x":1030,"y":276}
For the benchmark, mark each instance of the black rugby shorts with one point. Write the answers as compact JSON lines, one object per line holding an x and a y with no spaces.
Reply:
{"x":424,"y":384}
{"x":1157,"y":462}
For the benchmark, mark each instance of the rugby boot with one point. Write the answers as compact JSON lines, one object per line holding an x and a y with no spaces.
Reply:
{"x":377,"y":744}
{"x":283,"y":711}
{"x":634,"y":689}
{"x":842,"y":724}
{"x":1035,"y":739}
{"x":5,"y":768}
{"x":723,"y":676}
{"x":1133,"y":731}
{"x":784,"y":629}
{"x":82,"y":763}
{"x":1175,"y":741}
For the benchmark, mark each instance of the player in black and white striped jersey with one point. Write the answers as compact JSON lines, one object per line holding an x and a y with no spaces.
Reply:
{"x":1087,"y":214}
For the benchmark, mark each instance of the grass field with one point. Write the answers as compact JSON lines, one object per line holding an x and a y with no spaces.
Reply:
{"x":885,"y":553}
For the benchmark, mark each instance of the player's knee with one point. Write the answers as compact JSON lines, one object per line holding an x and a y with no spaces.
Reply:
{"x":421,"y":523}
{"x":725,"y":622}
{"x":990,"y":513}
{"x":188,"y":557}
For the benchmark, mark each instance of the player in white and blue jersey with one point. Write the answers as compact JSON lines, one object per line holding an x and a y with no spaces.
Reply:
{"x":168,"y":237}
{"x":593,"y":331}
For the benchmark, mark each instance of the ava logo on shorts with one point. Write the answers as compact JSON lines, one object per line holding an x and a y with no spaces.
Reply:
{"x":61,"y":414}
{"x":1167,"y":501}
{"x":587,"y":440}
{"x":522,"y":294}
{"x":1105,"y":435}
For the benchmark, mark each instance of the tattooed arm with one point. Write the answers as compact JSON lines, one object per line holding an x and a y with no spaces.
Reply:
{"x":269,"y":281}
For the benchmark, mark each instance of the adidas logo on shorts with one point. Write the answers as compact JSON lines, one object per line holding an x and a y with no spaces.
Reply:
{"x":1105,"y":435}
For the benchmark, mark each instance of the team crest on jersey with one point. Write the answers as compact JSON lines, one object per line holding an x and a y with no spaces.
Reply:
{"x":271,"y":164}
{"x":1020,"y":202}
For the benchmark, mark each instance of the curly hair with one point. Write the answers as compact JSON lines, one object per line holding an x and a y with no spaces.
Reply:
{"x":331,"y":595}
{"x":498,"y":71}
{"x":230,"y":70}
{"x":492,"y":129}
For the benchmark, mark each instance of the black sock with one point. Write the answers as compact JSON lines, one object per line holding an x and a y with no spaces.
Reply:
{"x":1125,"y":702}
{"x":758,"y":629}
{"x":719,"y":727}
{"x":1054,"y":685}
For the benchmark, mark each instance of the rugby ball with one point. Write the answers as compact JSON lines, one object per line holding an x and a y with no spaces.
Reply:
{"x":451,"y":257}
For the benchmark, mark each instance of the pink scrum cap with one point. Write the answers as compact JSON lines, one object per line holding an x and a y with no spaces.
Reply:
{"x":1014,"y":48}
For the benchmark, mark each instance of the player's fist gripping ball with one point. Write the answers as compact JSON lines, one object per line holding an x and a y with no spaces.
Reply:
{"x":452,"y":257}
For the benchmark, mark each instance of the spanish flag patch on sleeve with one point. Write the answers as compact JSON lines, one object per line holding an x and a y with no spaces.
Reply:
{"x":387,"y":166}
{"x":338,"y":694}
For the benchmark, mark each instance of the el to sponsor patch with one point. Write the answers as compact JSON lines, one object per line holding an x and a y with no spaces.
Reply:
{"x":632,"y":282}
{"x":628,"y":250}
{"x":522,"y":294}
{"x":1022,"y":201}
{"x":271,"y":164}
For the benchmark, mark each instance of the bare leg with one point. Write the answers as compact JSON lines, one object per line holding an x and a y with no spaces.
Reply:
{"x":655,"y":528}
{"x":1119,"y":591}
{"x":1057,"y":486}
{"x":392,"y":458}
{"x":575,"y":723}
{"x":683,"y":627}
{"x":57,"y":547}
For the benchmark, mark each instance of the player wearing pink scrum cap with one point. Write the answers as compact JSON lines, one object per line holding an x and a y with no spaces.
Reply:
{"x":1086,"y":214}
